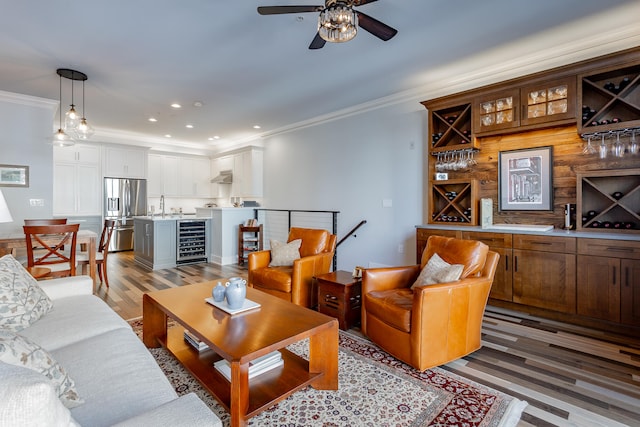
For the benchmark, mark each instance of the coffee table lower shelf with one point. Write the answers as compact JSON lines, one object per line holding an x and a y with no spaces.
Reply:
{"x":265,"y":390}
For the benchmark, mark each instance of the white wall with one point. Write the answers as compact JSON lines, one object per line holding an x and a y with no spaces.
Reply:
{"x":26,"y":140}
{"x":351,"y":165}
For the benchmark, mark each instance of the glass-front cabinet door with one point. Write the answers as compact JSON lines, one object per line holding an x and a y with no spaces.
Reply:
{"x":498,"y":110}
{"x":548,"y":101}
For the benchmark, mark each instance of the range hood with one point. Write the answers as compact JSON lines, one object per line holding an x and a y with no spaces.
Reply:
{"x":225,"y":177}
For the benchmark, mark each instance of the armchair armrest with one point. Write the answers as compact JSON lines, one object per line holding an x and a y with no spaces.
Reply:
{"x":303,"y":290}
{"x":259,"y":259}
{"x":380,"y":279}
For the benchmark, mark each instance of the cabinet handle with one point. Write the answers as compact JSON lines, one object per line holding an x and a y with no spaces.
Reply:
{"x":506,"y":263}
{"x":617,"y":249}
{"x":614,"y":276}
{"x":515,"y":264}
{"x":626,"y":275}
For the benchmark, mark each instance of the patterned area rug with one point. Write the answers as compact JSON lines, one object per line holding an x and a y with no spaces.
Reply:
{"x":375,"y":389}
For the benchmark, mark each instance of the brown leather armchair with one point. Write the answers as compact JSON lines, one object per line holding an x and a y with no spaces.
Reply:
{"x":430,"y":325}
{"x":295,"y":283}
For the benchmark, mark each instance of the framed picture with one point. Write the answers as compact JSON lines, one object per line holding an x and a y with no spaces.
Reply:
{"x":14,"y":176}
{"x":526,"y":180}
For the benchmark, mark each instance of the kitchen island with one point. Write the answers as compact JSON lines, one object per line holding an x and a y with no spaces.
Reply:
{"x":224,"y":230}
{"x":165,"y":242}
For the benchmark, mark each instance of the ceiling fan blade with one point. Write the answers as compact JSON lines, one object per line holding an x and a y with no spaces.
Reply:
{"x":276,"y":10}
{"x":318,"y":42}
{"x":375,"y":27}
{"x":361,"y":2}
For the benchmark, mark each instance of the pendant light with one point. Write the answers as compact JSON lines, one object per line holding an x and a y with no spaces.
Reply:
{"x":60,"y":137}
{"x":75,"y":126}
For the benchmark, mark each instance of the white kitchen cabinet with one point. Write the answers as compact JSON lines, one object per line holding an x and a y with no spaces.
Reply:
{"x":195,"y":174}
{"x":77,"y":181}
{"x":125,"y":162}
{"x":163,"y":176}
{"x":247,"y":173}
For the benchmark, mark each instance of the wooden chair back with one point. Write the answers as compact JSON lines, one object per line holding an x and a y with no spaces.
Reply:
{"x":50,"y":221}
{"x":51,"y":239}
{"x":105,"y":237}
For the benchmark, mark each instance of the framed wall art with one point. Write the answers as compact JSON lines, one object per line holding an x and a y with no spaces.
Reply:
{"x":14,"y":176}
{"x":525,"y":180}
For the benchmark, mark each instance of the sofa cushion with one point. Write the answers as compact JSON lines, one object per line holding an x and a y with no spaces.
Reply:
{"x":392,"y":306}
{"x":276,"y":278}
{"x":283,"y":254}
{"x":96,"y":318}
{"x":28,"y":398}
{"x":22,"y":301}
{"x":438,"y":270}
{"x":20,"y":351}
{"x":117,"y":377}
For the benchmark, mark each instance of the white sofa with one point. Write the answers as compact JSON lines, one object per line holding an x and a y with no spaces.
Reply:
{"x":116,"y":376}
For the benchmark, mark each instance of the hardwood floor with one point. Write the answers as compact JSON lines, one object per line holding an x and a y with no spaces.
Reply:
{"x":570,"y":376}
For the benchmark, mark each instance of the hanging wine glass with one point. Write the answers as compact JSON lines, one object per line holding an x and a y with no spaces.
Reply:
{"x":618,"y":147}
{"x":588,"y":148}
{"x":634,"y":147}
{"x":602,"y":150}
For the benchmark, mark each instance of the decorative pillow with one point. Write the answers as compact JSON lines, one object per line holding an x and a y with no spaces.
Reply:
{"x":438,"y":270}
{"x":283,"y":254}
{"x":27,"y":398}
{"x":20,"y":351}
{"x":22,"y":301}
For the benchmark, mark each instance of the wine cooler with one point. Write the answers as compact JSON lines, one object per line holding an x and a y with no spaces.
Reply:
{"x":192,"y":246}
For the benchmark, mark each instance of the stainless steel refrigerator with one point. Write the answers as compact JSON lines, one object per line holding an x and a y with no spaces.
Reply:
{"x":124,"y":199}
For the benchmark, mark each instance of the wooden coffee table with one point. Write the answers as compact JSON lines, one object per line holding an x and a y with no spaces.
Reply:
{"x":241,"y":338}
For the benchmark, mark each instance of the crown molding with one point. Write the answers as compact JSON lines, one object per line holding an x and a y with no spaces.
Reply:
{"x":28,"y":100}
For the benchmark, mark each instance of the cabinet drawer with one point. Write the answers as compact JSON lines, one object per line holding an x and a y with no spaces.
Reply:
{"x":493,"y":240}
{"x":609,"y":248}
{"x":424,"y":233}
{"x":544,"y":243}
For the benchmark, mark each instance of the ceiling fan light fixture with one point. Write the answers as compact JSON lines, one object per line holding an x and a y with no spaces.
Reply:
{"x":338,"y":23}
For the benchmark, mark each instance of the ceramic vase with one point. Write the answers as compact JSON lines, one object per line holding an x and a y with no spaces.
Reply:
{"x":218,"y":292}
{"x":236,"y":292}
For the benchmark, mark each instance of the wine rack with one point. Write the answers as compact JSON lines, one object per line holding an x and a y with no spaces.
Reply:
{"x":610,"y":99}
{"x":609,"y":200}
{"x":453,"y":201}
{"x":451,"y":128}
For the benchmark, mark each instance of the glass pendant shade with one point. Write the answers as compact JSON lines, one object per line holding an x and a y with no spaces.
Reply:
{"x":61,"y":139}
{"x":84,"y":130}
{"x":338,"y":23}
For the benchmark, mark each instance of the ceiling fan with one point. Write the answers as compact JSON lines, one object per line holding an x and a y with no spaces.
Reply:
{"x":337,"y":22}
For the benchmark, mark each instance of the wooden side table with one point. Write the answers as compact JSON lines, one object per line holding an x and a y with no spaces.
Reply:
{"x":339,"y":296}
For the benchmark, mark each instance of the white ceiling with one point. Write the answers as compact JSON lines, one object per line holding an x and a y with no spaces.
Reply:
{"x":142,"y":55}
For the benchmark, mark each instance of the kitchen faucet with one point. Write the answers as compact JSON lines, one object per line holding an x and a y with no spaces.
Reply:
{"x":162,"y":205}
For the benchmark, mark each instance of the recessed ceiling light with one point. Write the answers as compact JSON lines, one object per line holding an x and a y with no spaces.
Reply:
{"x":176,"y":105}
{"x":189,"y":126}
{"x":198,"y":103}
{"x":167,"y":136}
{"x":153,"y":119}
{"x":256,"y":126}
{"x":213,"y":137}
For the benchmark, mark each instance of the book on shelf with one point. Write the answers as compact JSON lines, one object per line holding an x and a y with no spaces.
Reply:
{"x":256,"y":367}
{"x":251,"y":222}
{"x":192,"y":340}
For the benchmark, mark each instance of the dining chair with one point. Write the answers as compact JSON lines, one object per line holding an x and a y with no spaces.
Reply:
{"x":51,"y":239}
{"x":102,"y":252}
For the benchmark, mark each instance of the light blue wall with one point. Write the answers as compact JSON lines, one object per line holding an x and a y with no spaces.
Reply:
{"x":26,"y":140}
{"x":351,"y":165}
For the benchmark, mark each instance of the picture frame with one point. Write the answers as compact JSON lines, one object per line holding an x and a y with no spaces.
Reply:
{"x":14,"y":176}
{"x":525,"y":179}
